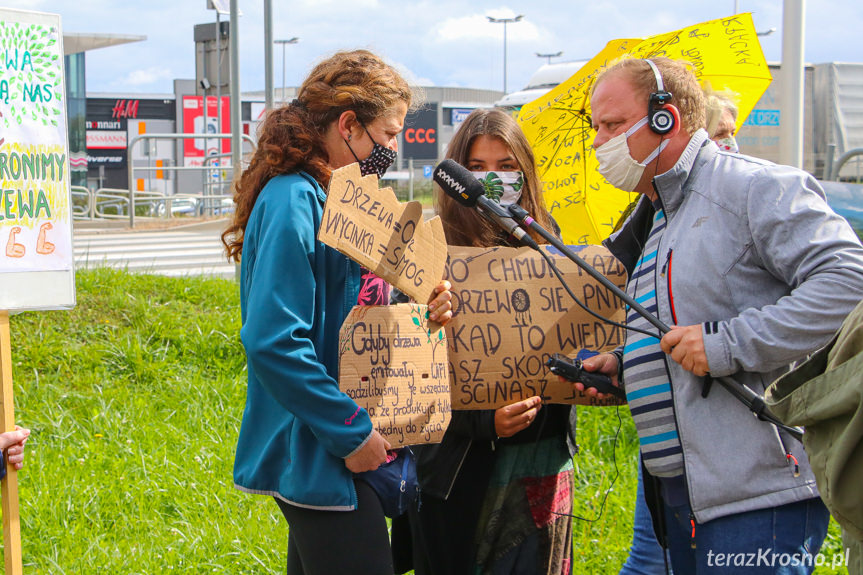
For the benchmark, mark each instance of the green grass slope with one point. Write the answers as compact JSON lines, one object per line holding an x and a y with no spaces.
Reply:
{"x":135,"y":398}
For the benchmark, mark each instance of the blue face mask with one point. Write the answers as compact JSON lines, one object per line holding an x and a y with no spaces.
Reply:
{"x":378,"y":161}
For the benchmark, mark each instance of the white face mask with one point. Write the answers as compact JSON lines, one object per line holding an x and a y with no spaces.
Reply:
{"x":728,"y":144}
{"x":617,"y":165}
{"x":502,"y":187}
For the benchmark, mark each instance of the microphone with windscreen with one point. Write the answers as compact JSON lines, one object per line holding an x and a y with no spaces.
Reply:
{"x":462,"y":186}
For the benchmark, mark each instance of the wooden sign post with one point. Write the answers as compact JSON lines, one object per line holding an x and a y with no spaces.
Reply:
{"x":9,"y":485}
{"x":36,"y":259}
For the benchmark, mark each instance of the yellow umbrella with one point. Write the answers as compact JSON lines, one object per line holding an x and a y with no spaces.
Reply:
{"x":726,"y":56}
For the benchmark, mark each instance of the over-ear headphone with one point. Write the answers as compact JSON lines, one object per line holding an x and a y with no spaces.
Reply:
{"x":659,"y":118}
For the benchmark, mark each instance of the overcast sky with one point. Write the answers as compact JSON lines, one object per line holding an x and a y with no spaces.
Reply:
{"x":435,"y":42}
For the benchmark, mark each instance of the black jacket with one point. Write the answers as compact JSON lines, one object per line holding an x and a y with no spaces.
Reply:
{"x":438,"y":464}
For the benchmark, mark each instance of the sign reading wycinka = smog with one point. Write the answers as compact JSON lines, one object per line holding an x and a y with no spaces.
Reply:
{"x":35,"y":207}
{"x":369,"y":225}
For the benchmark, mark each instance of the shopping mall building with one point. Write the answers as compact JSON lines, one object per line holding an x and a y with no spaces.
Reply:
{"x":108,"y":132}
{"x":110,"y":147}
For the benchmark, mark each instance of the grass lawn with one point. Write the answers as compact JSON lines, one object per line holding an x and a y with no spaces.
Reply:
{"x":135,"y":398}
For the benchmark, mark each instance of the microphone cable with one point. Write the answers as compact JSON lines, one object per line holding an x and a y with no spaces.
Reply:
{"x":610,"y":488}
{"x":559,"y":276}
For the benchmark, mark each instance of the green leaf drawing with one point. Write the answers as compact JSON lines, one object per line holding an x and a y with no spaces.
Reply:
{"x":493,"y":186}
{"x":519,"y":182}
{"x":29,"y":48}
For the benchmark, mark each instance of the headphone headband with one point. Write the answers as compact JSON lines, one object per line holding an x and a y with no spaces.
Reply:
{"x":657,"y":75}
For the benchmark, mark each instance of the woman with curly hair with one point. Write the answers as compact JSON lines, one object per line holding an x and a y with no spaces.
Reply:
{"x":302,"y":440}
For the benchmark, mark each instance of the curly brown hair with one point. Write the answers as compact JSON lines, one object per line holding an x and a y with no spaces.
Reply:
{"x":465,"y":227}
{"x":290,"y":139}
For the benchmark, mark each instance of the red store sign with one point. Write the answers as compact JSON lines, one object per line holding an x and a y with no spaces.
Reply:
{"x":125,"y":109}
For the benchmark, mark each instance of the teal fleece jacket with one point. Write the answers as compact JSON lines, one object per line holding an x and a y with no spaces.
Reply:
{"x":295,"y":293}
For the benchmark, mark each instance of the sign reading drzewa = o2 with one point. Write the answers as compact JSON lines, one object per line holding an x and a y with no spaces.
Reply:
{"x":36,"y":258}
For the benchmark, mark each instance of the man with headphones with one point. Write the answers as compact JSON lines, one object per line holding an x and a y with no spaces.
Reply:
{"x":753,"y":271}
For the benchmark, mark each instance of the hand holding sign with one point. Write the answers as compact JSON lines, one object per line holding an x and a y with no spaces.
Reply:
{"x":370,"y":226}
{"x":511,"y":419}
{"x":36,"y":266}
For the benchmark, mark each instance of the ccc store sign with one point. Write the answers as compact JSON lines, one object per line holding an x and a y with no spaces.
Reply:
{"x":420,"y":135}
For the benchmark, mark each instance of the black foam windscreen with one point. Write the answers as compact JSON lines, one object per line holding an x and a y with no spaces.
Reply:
{"x":458,"y":183}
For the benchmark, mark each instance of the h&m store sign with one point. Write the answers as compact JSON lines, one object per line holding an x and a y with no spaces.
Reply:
{"x":112,"y":113}
{"x":107,"y":124}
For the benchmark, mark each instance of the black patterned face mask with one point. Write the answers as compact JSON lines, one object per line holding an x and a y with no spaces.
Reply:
{"x":378,"y":161}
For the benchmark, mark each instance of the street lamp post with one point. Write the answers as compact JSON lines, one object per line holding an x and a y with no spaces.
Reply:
{"x":504,"y":21}
{"x":293,"y":40}
{"x":549,"y":56}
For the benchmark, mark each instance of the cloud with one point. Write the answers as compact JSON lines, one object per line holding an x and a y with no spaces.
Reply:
{"x":409,"y":75}
{"x":147,"y":76}
{"x":477,"y":27}
{"x":442,"y":42}
{"x":315,"y":5}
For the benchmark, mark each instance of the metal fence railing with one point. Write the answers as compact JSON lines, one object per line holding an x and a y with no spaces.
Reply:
{"x":114,"y":204}
{"x":412,"y":183}
{"x":205,"y":203}
{"x":833,"y":170}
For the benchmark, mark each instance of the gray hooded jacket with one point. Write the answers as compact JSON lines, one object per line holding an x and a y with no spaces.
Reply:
{"x":752,"y":252}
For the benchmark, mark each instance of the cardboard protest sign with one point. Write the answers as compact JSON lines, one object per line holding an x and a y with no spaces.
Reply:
{"x":370,"y":226}
{"x":394,"y":365}
{"x":510,"y":313}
